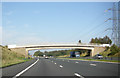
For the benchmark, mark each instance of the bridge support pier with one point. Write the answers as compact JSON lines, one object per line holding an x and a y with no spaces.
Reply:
{"x":97,"y":50}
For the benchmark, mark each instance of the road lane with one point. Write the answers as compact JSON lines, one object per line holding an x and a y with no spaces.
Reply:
{"x":15,"y":69}
{"x":85,"y":69}
{"x":45,"y":67}
{"x":60,"y":67}
{"x":26,"y":69}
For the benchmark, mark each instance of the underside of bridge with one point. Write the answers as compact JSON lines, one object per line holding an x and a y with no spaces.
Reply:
{"x":86,"y":53}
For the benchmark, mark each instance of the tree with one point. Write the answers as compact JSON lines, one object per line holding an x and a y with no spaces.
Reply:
{"x":92,"y":40}
{"x":96,"y":40}
{"x":38,"y":53}
{"x":114,"y":49}
{"x":105,"y":40}
{"x":79,"y":41}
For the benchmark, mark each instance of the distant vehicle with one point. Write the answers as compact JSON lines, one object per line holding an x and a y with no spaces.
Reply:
{"x":77,"y":55}
{"x":98,"y":56}
{"x":72,"y":54}
{"x":46,"y":57}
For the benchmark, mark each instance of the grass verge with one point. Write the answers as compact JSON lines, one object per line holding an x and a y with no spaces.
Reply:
{"x":10,"y":63}
{"x":116,"y":61}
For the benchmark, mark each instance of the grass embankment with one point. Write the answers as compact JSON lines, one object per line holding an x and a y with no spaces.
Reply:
{"x":108,"y":52}
{"x":92,"y":59}
{"x":10,"y":57}
{"x":63,"y":56}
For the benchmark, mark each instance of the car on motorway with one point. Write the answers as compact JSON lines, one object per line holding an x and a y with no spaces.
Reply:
{"x":98,"y":56}
{"x":46,"y":57}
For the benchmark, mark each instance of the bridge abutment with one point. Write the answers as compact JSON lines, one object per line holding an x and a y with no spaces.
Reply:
{"x":20,"y":51}
{"x":97,"y":50}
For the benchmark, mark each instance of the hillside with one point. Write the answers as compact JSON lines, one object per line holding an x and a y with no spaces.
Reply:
{"x":112,"y":51}
{"x":108,"y":54}
{"x":9,"y":57}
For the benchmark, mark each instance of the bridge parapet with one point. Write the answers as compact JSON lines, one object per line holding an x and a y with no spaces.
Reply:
{"x":69,"y":45}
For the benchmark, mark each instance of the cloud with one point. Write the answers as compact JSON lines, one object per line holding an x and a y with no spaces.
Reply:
{"x":13,"y":36}
{"x":8,"y":36}
{"x":29,"y":40}
{"x":17,"y":38}
{"x":9,"y":13}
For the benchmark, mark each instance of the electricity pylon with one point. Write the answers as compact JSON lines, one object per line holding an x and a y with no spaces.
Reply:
{"x":119,"y":23}
{"x":116,"y":23}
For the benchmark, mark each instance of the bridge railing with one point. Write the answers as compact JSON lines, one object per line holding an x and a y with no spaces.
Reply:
{"x":94,"y":44}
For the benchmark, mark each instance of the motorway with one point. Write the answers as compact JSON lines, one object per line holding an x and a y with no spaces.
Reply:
{"x":62,"y":67}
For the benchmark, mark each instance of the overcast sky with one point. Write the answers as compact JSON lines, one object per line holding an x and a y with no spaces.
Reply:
{"x":54,"y":22}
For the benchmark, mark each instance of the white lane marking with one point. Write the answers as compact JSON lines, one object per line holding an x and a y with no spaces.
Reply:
{"x":26,"y":69}
{"x":52,"y":61}
{"x":78,"y":75}
{"x":93,"y":64}
{"x":76,"y":62}
{"x":61,"y":66}
{"x":55,"y":63}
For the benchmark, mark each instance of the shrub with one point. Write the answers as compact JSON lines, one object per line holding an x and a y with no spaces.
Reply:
{"x":114,"y":49}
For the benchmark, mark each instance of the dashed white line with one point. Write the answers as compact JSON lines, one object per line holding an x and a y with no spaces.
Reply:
{"x":61,"y":66}
{"x":76,"y":62}
{"x":93,"y":64}
{"x":55,"y":63}
{"x":26,"y":69}
{"x":78,"y":75}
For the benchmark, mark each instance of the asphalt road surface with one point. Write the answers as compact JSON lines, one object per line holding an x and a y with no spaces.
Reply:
{"x":62,"y":67}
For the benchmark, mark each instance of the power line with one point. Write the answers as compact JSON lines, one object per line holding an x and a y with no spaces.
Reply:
{"x":96,"y":19}
{"x":96,"y":29}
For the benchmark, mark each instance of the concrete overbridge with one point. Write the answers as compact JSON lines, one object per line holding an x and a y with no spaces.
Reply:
{"x":94,"y":48}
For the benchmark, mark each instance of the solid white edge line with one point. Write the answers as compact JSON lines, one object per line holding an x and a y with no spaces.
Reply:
{"x":25,"y":69}
{"x":76,"y":74}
